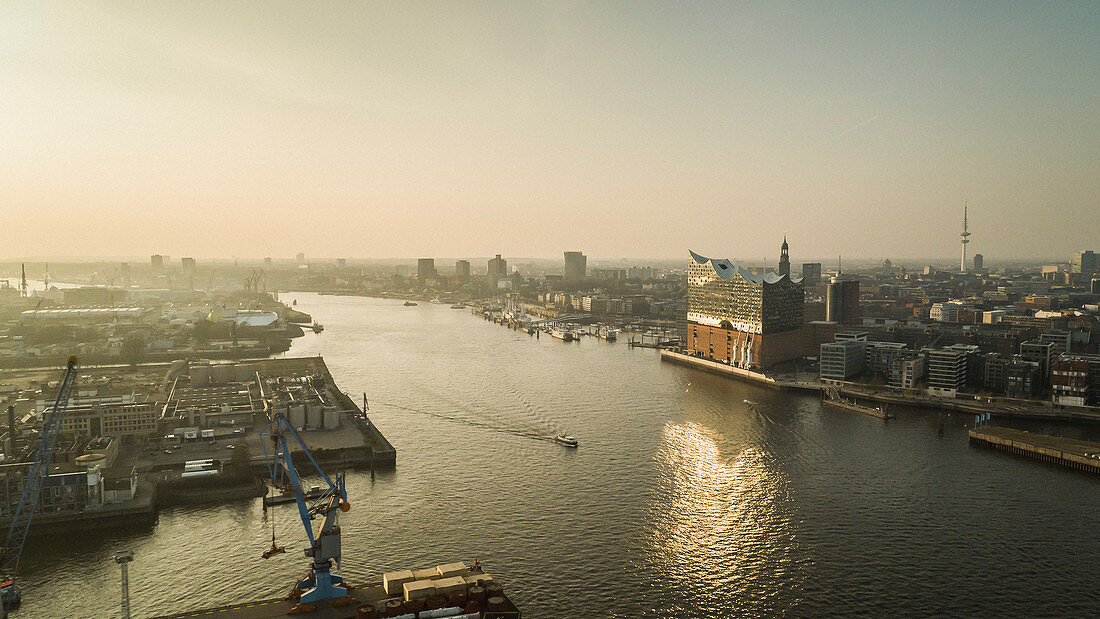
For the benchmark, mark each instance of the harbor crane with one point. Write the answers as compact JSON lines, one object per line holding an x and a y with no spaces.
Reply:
{"x":32,"y":490}
{"x":324,"y":541}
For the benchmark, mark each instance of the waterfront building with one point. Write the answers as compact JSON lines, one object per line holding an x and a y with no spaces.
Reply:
{"x":576,"y":267}
{"x":906,"y":371}
{"x":881,"y":357}
{"x":462,"y":270}
{"x":741,"y":318}
{"x":96,"y":415}
{"x":947,"y":368}
{"x":842,"y":359}
{"x":1040,"y":352}
{"x":425,"y":270}
{"x":1075,"y":379}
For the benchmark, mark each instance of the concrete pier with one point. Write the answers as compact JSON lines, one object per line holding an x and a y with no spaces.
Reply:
{"x":1066,"y":452}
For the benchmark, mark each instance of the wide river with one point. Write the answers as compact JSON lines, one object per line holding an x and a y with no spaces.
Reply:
{"x":683,"y":500}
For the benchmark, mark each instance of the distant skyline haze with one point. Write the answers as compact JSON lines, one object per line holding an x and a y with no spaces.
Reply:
{"x":622,"y":129}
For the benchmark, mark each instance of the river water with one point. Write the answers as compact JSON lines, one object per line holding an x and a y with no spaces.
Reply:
{"x":683,"y":500}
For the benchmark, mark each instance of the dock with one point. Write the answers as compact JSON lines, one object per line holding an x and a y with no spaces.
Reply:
{"x":1065,"y":452}
{"x":856,"y":407}
{"x":481,"y":597}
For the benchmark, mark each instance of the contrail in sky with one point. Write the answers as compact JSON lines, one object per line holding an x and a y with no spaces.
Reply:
{"x":853,"y":128}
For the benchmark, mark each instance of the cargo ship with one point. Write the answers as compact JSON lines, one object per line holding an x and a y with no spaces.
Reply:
{"x":452,"y":590}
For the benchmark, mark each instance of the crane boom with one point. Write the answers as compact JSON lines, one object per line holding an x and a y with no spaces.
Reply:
{"x":324,"y":543}
{"x":32,"y":485}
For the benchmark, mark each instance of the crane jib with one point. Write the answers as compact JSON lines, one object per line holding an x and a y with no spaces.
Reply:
{"x":32,"y":486}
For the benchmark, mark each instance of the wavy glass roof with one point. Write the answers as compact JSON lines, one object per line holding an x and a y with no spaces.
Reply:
{"x":727,"y":270}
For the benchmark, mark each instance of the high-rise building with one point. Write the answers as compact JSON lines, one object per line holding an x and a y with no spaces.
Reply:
{"x":979,"y":263}
{"x":341,"y":263}
{"x":1085,"y":263}
{"x":811,"y":274}
{"x":301,"y":258}
{"x":742,"y":318}
{"x":842,"y":301}
{"x":462,"y":270}
{"x":784,"y":259}
{"x":576,"y":267}
{"x":267,"y":263}
{"x":188,"y":266}
{"x":156,"y":261}
{"x":425,"y":269}
{"x":498,"y":268}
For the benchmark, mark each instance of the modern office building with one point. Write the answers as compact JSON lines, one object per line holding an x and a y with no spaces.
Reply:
{"x":906,"y":371}
{"x":156,"y":261}
{"x":1085,"y":263}
{"x":842,"y":359}
{"x":462,"y":270}
{"x":811,"y":274}
{"x":425,"y":269}
{"x":576,"y":267}
{"x":947,"y":368}
{"x":742,"y":318}
{"x":1040,"y":352}
{"x":1075,"y":379}
{"x":842,"y":301}
{"x":979,"y":263}
{"x":497,"y":268}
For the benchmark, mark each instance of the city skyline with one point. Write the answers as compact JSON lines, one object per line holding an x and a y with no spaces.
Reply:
{"x":433,"y":129}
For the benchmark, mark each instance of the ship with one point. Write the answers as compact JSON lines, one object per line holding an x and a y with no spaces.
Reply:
{"x":410,"y":303}
{"x":566,"y":440}
{"x":317,"y":327}
{"x":561,"y":334}
{"x":458,"y":306}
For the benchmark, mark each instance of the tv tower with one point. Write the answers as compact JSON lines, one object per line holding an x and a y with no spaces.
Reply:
{"x":964,"y":239}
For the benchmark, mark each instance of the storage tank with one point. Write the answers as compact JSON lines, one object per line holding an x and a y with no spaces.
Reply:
{"x":314,"y":416}
{"x":297,"y":415}
{"x":200,"y":375}
{"x":332,"y":419}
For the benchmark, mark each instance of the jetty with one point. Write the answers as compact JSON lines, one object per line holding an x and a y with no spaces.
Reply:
{"x":1065,"y":452}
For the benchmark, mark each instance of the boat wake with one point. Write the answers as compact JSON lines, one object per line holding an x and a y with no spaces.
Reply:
{"x":520,"y":432}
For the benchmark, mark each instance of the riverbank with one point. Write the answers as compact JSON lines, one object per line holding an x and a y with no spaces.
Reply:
{"x":1016,"y":408}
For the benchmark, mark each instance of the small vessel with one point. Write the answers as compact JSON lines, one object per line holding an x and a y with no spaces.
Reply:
{"x":288,"y":497}
{"x":437,"y":301}
{"x":458,"y":306}
{"x":565,"y":336}
{"x":317,"y":328}
{"x":410,"y":303}
{"x":566,"y":440}
{"x":10,"y":592}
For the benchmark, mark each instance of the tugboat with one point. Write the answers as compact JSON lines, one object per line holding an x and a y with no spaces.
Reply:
{"x":566,"y":440}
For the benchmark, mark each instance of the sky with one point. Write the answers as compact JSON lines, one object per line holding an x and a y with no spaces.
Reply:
{"x":622,"y":129}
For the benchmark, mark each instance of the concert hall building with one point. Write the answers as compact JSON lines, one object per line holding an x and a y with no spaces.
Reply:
{"x":741,"y":318}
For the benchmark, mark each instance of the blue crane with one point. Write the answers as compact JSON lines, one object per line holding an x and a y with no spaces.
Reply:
{"x":324,"y":542}
{"x":32,"y":487}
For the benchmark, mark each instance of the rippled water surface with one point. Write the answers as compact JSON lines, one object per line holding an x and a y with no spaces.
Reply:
{"x":683,"y":500}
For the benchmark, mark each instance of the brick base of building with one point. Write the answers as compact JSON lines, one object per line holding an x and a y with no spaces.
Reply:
{"x":742,"y":349}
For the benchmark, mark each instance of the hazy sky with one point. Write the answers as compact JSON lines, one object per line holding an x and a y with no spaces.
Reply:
{"x":621,"y":129}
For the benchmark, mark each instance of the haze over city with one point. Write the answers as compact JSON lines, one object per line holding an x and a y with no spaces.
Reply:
{"x":623,"y":129}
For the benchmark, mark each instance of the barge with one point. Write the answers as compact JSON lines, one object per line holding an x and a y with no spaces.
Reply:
{"x":452,"y":590}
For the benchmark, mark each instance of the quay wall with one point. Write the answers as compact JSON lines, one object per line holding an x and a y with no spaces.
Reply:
{"x":715,"y":367}
{"x":1034,"y":452}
